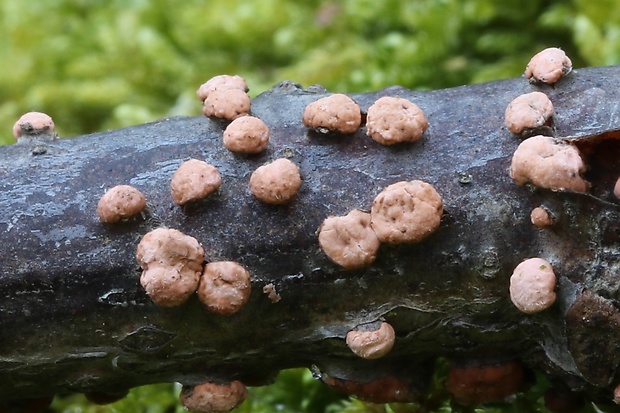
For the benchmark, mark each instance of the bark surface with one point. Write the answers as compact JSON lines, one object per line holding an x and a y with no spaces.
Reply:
{"x":74,"y":318}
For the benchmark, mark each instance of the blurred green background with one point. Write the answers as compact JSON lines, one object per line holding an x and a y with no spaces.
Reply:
{"x":102,"y":64}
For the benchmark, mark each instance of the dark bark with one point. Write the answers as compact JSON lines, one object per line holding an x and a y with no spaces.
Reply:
{"x":74,"y":318}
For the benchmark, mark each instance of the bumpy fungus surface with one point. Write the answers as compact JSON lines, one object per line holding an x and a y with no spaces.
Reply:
{"x":224,"y":287}
{"x":532,"y":286}
{"x":221,"y":82}
{"x":406,"y":212}
{"x":528,"y":111}
{"x":194,"y":180}
{"x":548,"y":163}
{"x":172,"y":264}
{"x":349,"y":241}
{"x":387,"y":389}
{"x":470,"y":385}
{"x":371,"y":343}
{"x":334,"y":113}
{"x":548,"y":66}
{"x":33,"y":124}
{"x":392,"y":120}
{"x":541,"y":218}
{"x":276,"y":182}
{"x":617,"y":189}
{"x":247,"y":134}
{"x":226,"y":104}
{"x":212,"y":397}
{"x":120,"y":202}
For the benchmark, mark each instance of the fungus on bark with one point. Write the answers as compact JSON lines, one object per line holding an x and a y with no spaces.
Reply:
{"x":335,"y":113}
{"x":272,"y":293}
{"x":171,"y":263}
{"x":213,"y":397}
{"x":471,"y":385}
{"x":548,"y":66}
{"x":406,"y":212}
{"x":371,"y":342}
{"x":276,"y":182}
{"x":548,"y":163}
{"x":386,"y":389}
{"x":532,"y":286}
{"x":34,"y":124}
{"x":246,"y":134}
{"x":391,"y":120}
{"x":221,"y":82}
{"x":226,"y":104}
{"x":224,"y":287}
{"x":617,"y":189}
{"x":541,"y":217}
{"x":120,"y":202}
{"x":528,"y":111}
{"x":194,"y":180}
{"x":349,"y":240}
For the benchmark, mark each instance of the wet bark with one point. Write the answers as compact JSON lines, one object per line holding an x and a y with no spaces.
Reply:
{"x":73,"y":316}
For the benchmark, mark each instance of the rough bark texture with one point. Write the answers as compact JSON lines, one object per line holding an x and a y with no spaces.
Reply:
{"x":73,"y":316}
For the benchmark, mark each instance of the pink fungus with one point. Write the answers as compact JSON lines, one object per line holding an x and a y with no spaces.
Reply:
{"x":221,"y":82}
{"x":406,"y":212}
{"x":548,"y":66}
{"x":392,"y":120}
{"x":120,"y":202}
{"x":213,"y":397}
{"x":532,"y":286}
{"x":34,"y":124}
{"x":224,"y":287}
{"x":548,"y":163}
{"x":194,"y":180}
{"x":369,"y":342}
{"x":528,"y":111}
{"x":617,"y":189}
{"x":335,"y":113}
{"x":171,"y":263}
{"x":276,"y":182}
{"x":541,"y":217}
{"x":226,"y":104}
{"x":246,"y":134}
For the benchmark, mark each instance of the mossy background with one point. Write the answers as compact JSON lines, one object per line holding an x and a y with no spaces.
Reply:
{"x":102,"y":64}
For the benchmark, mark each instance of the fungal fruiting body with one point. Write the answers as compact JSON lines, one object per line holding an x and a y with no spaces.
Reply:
{"x":541,"y":218}
{"x":335,"y":113}
{"x":370,"y":342}
{"x":246,"y":134}
{"x":349,"y":241}
{"x":221,"y":82}
{"x":470,"y":385}
{"x":548,"y":163}
{"x":532,"y":286}
{"x":194,"y":180}
{"x":386,"y":389}
{"x":34,"y":125}
{"x":213,"y":397}
{"x":226,"y":104}
{"x":548,"y":66}
{"x":272,"y":293}
{"x":617,"y":189}
{"x":406,"y":212}
{"x":120,"y":202}
{"x":171,"y":263}
{"x":276,"y":182}
{"x":528,"y":111}
{"x":392,"y":120}
{"x":224,"y":287}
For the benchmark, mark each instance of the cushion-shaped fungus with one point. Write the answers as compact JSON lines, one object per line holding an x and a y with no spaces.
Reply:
{"x":532,"y":286}
{"x":392,"y":120}
{"x":349,"y":241}
{"x":541,"y":218}
{"x":335,"y":113}
{"x":617,"y":189}
{"x":548,"y":163}
{"x":224,"y":287}
{"x":246,"y":134}
{"x":276,"y":182}
{"x":548,"y":66}
{"x":406,"y":212}
{"x":370,"y":342}
{"x":34,"y":124}
{"x":194,"y":180}
{"x":528,"y":111}
{"x":471,"y":385}
{"x":221,"y":82}
{"x":172,"y":264}
{"x":120,"y":202}
{"x":386,"y":389}
{"x":213,"y":397}
{"x":226,"y":104}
